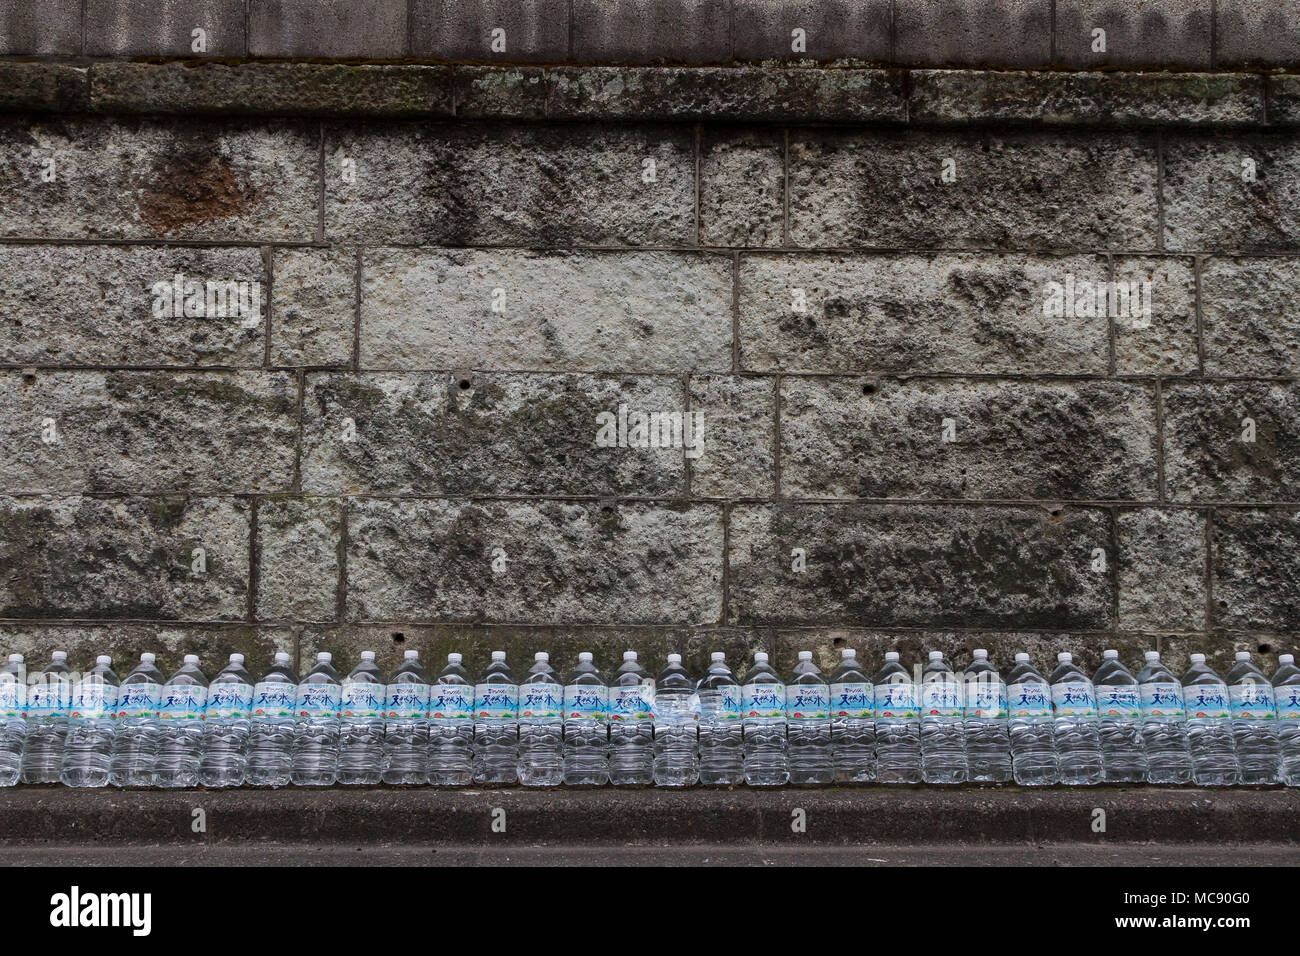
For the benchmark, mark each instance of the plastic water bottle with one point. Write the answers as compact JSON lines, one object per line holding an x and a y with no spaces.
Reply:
{"x":1164,"y":723}
{"x":48,"y":697}
{"x":1209,"y":726}
{"x":13,"y":726}
{"x":808,"y":724}
{"x":984,"y":708}
{"x":496,"y":728}
{"x":1286,"y":693}
{"x":1254,"y":723}
{"x":406,"y":724}
{"x":225,"y":726}
{"x":722,"y":745}
{"x":898,"y":724}
{"x":88,"y":752}
{"x":853,"y":725}
{"x":451,"y":726}
{"x":181,"y":706}
{"x":135,"y":748}
{"x":541,"y":725}
{"x":631,"y":725}
{"x":1119,"y":721}
{"x":762,"y":704}
{"x":586,"y":726}
{"x":677,"y":718}
{"x":316,"y":726}
{"x":270,"y":740}
{"x":1078,"y":743}
{"x":1031,"y":726}
{"x":943,"y":739}
{"x":362,"y":709}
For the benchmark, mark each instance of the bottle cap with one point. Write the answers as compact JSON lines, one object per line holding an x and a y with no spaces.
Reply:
{"x":1197,"y":658}
{"x":1153,"y":655}
{"x":805,"y":655}
{"x":367,"y":655}
{"x":324,"y":657}
{"x":281,"y":657}
{"x":1022,"y":658}
{"x":1110,"y":655}
{"x":1065,"y":657}
{"x":1243,"y":655}
{"x":498,"y":655}
{"x":936,"y":655}
{"x":1281,"y":658}
{"x":454,"y":658}
{"x":760,"y":657}
{"x":410,"y":655}
{"x":18,"y":658}
{"x":629,"y":655}
{"x":847,"y":653}
{"x":103,"y":659}
{"x":717,"y":657}
{"x":147,"y":658}
{"x":674,"y":658}
{"x":192,"y":659}
{"x":980,"y":654}
{"x":541,"y":656}
{"x":891,"y":656}
{"x":59,"y":656}
{"x":585,"y":657}
{"x":236,"y":658}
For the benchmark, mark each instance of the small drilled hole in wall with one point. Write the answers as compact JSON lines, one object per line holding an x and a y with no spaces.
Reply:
{"x":837,"y":642}
{"x":464,"y":383}
{"x":868,"y":389}
{"x":1266,"y":648}
{"x":398,"y":637}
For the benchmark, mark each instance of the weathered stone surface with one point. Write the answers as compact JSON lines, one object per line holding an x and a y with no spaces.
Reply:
{"x":831,"y":29}
{"x":126,"y":642}
{"x":298,"y":558}
{"x":651,"y":31}
{"x":565,"y":562}
{"x":1137,"y":33}
{"x":313,"y":306}
{"x":1254,"y":573}
{"x":1251,"y":33}
{"x":856,"y":438}
{"x":504,"y":434}
{"x":1238,"y":195}
{"x":156,"y":432}
{"x":496,"y":184}
{"x":94,"y":305}
{"x":272,"y":89}
{"x":40,"y":27}
{"x":742,"y":188}
{"x":75,"y":557}
{"x":1220,"y":650}
{"x":1163,"y":342}
{"x":143,"y":179}
{"x":1077,"y":99}
{"x":1283,"y":99}
{"x":165,"y":28}
{"x":1207,"y":454}
{"x":642,"y":311}
{"x":895,"y":565}
{"x":915,"y":313}
{"x":877,"y":189}
{"x":53,"y":87}
{"x":1161,"y":570}
{"x":294,"y":28}
{"x":739,"y":417}
{"x":1001,"y":33}
{"x":1248,"y":316}
{"x":515,"y":31}
{"x":499,"y":92}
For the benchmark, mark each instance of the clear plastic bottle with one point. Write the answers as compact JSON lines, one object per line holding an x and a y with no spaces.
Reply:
{"x":88,"y":753}
{"x":984,"y":708}
{"x":181,"y":707}
{"x":316,"y":725}
{"x":363,"y":708}
{"x":496,"y":724}
{"x":1254,"y":723}
{"x":225,"y":726}
{"x":1119,"y":721}
{"x":406,"y":724}
{"x":853,"y":721}
{"x":898,"y":724}
{"x":13,"y":725}
{"x":451,"y":726}
{"x":1209,"y":726}
{"x":631,"y":725}
{"x":1031,"y":726}
{"x":135,"y":748}
{"x":1286,"y":693}
{"x":49,"y":695}
{"x":762,"y":702}
{"x":541,"y":725}
{"x":722,"y":744}
{"x":808,"y":724}
{"x":586,"y":726}
{"x":270,"y":739}
{"x":943,"y":738}
{"x":1164,"y":723}
{"x":1078,"y":742}
{"x":677,"y":718}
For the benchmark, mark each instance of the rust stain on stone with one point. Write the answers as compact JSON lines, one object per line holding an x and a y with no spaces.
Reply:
{"x":193,"y":188}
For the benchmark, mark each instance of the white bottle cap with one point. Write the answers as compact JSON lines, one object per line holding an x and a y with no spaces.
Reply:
{"x":717,"y":656}
{"x":454,"y":658}
{"x":760,"y":657}
{"x":18,"y":658}
{"x":1065,"y":657}
{"x":980,"y":654}
{"x":410,"y":655}
{"x":629,"y":655}
{"x":848,"y":653}
{"x":236,"y":658}
{"x":103,"y":659}
{"x":1197,"y":658}
{"x":1243,"y":655}
{"x":1153,"y":655}
{"x":1022,"y":658}
{"x":891,"y":656}
{"x":541,"y":656}
{"x":498,"y":655}
{"x":59,"y":656}
{"x":281,"y":657}
{"x":585,"y":657}
{"x":1281,"y":658}
{"x":147,"y":658}
{"x":936,"y":655}
{"x":324,"y":657}
{"x":367,"y":655}
{"x":1109,"y":655}
{"x":674,"y":658}
{"x":805,"y":655}
{"x":191,"y":658}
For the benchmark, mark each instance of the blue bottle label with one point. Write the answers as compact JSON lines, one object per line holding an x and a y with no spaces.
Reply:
{"x":48,"y":699}
{"x":763,"y":700}
{"x":1074,"y":699}
{"x":496,"y":701}
{"x":807,"y":701}
{"x":273,"y":698}
{"x":585,"y":702}
{"x":13,"y":697}
{"x":635,"y":702}
{"x":406,"y":701}
{"x":1288,"y":702}
{"x":853,"y":700}
{"x":540,"y":700}
{"x":1029,"y":700}
{"x":1207,"y":701}
{"x":1161,"y":699}
{"x":986,"y":699}
{"x":229,"y":702}
{"x":451,"y":702}
{"x":182,"y":702}
{"x":729,"y":703}
{"x":941,"y":699}
{"x":92,"y":699}
{"x":1118,"y":701}
{"x":318,"y":700}
{"x":139,"y":700}
{"x":361,"y":699}
{"x":1252,"y":701}
{"x":897,"y":700}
